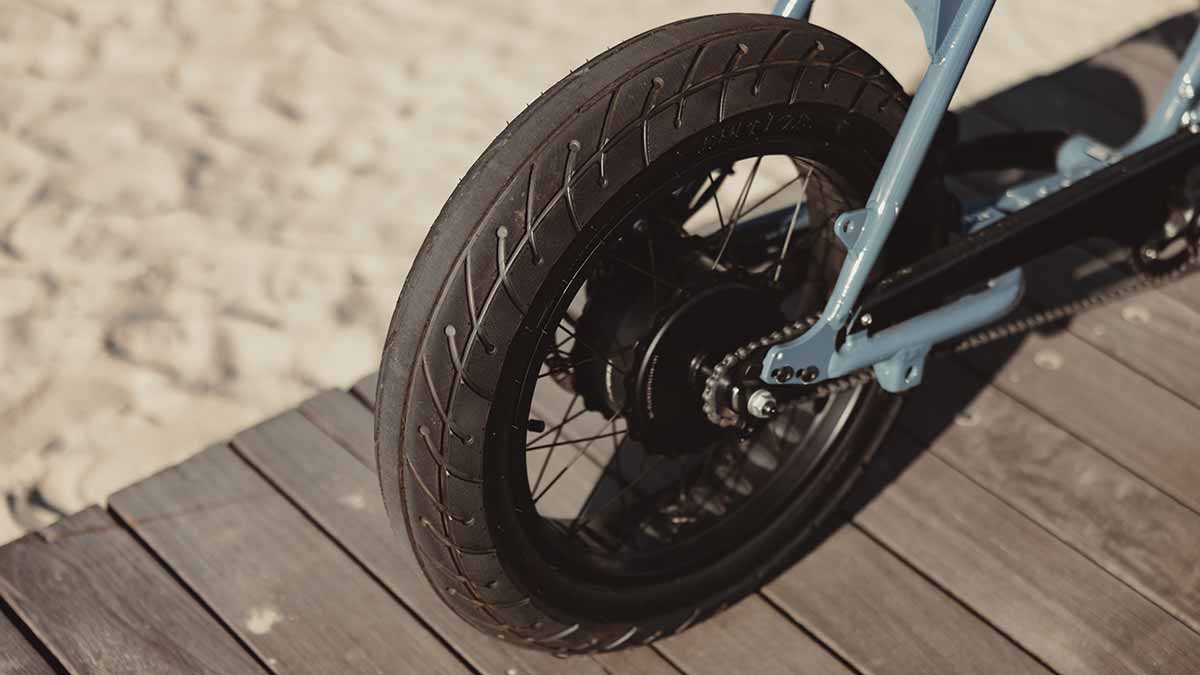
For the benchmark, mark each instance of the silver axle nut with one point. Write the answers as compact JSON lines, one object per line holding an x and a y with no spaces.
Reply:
{"x":762,"y":404}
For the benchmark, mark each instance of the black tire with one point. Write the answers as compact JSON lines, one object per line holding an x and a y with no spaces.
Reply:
{"x":444,"y":411}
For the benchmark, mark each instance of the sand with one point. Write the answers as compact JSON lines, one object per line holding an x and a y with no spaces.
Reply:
{"x":207,"y":207}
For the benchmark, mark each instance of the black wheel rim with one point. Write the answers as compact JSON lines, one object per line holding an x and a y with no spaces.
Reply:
{"x":746,"y":483}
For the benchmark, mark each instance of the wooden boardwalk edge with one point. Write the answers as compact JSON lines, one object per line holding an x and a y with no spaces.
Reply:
{"x":21,"y":652}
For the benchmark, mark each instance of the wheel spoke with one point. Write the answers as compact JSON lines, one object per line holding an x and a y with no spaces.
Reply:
{"x":716,"y":198}
{"x":774,"y":193}
{"x":792,"y":226}
{"x":709,"y":192}
{"x":595,"y":351}
{"x":557,"y":434}
{"x":670,"y":499}
{"x":611,"y":421}
{"x":580,"y":520}
{"x":567,"y":420}
{"x":597,"y":437}
{"x":567,"y":368}
{"x":650,"y":275}
{"x":737,"y":211}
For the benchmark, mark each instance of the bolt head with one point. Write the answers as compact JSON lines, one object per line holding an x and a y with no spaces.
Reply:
{"x":810,"y":374}
{"x":866,"y":320}
{"x":783,"y":374}
{"x":762,"y":404}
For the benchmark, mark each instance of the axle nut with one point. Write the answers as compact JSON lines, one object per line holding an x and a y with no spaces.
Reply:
{"x":762,"y":404}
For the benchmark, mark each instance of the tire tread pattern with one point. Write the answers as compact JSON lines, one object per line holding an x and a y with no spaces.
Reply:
{"x":471,"y":313}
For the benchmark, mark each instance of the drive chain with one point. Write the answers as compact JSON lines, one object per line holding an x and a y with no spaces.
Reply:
{"x":722,"y":416}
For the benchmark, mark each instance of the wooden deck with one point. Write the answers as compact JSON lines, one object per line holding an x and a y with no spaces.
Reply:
{"x":1038,"y":510}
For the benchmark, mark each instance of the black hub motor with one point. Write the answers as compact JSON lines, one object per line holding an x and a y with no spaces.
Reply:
{"x":666,"y":332}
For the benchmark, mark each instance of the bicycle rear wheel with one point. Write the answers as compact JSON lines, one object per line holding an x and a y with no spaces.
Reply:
{"x":539,"y":426}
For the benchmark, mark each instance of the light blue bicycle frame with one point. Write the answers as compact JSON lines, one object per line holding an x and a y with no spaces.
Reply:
{"x":897,"y":354}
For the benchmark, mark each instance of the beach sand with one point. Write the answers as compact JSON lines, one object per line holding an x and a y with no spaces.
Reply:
{"x":207,"y":207}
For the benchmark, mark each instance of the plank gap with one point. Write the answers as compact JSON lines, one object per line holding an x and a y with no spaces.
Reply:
{"x":191,"y":592}
{"x":1129,"y":577}
{"x":1143,"y":475}
{"x":31,"y":638}
{"x":833,"y":651}
{"x":337,"y":542}
{"x":951,"y":595}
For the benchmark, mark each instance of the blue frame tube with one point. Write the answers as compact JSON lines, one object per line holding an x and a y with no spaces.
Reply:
{"x":866,"y":231}
{"x":793,"y":9}
{"x":952,"y":29}
{"x":908,"y":152}
{"x":1177,"y":107}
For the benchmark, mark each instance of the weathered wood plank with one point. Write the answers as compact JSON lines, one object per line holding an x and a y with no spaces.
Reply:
{"x":1043,"y":104}
{"x":101,"y":603}
{"x":1130,"y":78}
{"x":1110,"y":407}
{"x":1107,"y":372}
{"x":719,"y":629}
{"x":749,"y":636}
{"x":1127,"y":526}
{"x":1127,"y":80}
{"x":1106,"y":96}
{"x":17,"y":655}
{"x":343,"y":498}
{"x":1156,"y":333}
{"x":365,"y":388}
{"x":1153,"y":333}
{"x":1061,"y":607}
{"x":1148,"y":340}
{"x":288,"y":591}
{"x":339,"y":416}
{"x":1157,"y":347}
{"x":1145,"y":63}
{"x":883,"y":617}
{"x":1184,"y":292}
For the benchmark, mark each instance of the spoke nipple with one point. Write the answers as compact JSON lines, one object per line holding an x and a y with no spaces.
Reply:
{"x":809,"y":374}
{"x":783,"y":374}
{"x":536,"y":426}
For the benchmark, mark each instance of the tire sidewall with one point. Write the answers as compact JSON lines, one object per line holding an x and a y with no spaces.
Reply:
{"x":415,"y":354}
